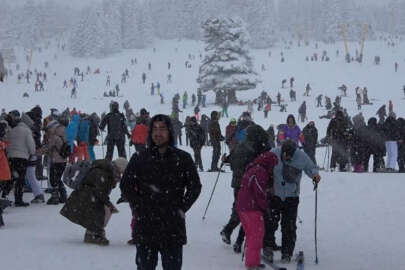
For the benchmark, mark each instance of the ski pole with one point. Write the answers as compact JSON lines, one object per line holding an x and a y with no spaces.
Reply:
{"x":102,"y":142}
{"x":212,"y":193}
{"x":316,"y":221}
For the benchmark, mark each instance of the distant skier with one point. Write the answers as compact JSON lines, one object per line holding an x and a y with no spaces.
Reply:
{"x":343,"y":88}
{"x":319,"y":101}
{"x":292,"y":82}
{"x":108,"y":82}
{"x":307,"y":89}
{"x":143,"y":78}
{"x":283,"y":82}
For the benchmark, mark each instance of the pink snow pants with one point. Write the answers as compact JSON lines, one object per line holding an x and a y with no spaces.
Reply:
{"x":253,"y":224}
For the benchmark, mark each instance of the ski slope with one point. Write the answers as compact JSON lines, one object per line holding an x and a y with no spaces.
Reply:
{"x":360,"y":216}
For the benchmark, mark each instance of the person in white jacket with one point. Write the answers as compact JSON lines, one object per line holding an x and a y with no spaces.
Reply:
{"x":21,"y":147}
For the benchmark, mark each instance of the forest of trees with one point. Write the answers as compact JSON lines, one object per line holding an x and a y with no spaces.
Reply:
{"x":108,"y":26}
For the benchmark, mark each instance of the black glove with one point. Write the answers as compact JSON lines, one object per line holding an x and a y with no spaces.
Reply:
{"x":131,"y":143}
{"x":122,"y":200}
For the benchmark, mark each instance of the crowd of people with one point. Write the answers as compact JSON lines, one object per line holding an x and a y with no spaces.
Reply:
{"x":267,"y":167}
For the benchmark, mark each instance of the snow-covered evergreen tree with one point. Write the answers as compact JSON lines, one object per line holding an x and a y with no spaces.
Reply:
{"x":112,"y":27}
{"x":87,"y":39}
{"x":129,"y":24}
{"x":332,"y":21}
{"x":261,"y":23}
{"x":227,"y":64}
{"x":29,"y":27}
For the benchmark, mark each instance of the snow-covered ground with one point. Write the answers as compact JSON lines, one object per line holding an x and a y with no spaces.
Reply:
{"x":361,"y":216}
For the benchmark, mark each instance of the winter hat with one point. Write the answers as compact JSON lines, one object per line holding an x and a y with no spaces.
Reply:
{"x":15,"y":115}
{"x":54,"y":112}
{"x":144,"y":111}
{"x":288,"y":147}
{"x":233,"y":120}
{"x":258,"y":137}
{"x":120,"y":163}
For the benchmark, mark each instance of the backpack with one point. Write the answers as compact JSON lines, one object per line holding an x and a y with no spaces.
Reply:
{"x":65,"y":151}
{"x":74,"y":174}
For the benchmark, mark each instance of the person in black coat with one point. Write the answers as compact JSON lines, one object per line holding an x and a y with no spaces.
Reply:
{"x":338,"y":132}
{"x":162,"y":184}
{"x":310,"y":133}
{"x":36,"y":115}
{"x":392,"y":136}
{"x":197,"y":140}
{"x":358,"y":143}
{"x":117,"y":129}
{"x":374,"y":139}
{"x":401,"y":144}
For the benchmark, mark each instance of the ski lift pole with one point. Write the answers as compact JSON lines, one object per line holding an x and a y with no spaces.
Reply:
{"x":316,"y":221}
{"x":212,"y":192}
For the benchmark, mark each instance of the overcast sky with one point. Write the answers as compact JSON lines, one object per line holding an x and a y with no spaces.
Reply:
{"x":80,"y":3}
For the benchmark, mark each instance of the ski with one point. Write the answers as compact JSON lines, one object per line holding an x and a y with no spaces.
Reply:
{"x":300,"y":260}
{"x":272,"y":264}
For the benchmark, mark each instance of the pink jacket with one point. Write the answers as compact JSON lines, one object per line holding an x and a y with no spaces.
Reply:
{"x":255,"y":181}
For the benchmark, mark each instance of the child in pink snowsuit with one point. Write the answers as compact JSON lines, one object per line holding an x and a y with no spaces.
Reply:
{"x":252,"y":202}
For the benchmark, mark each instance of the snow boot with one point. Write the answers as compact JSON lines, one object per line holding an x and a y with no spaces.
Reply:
{"x":237,"y":247}
{"x":1,"y":218}
{"x":226,"y":237}
{"x":62,"y":195}
{"x":268,"y":254}
{"x":54,"y":199}
{"x":39,"y":199}
{"x":285,"y":258}
{"x":131,"y":242}
{"x":95,"y":238}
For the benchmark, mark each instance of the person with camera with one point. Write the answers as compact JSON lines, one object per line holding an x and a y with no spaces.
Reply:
{"x":283,"y":204}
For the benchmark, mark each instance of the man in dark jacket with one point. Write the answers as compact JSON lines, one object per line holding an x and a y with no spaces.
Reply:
{"x":374,"y":140}
{"x":90,"y":205}
{"x":339,"y":133}
{"x":401,"y":145}
{"x":117,"y":129}
{"x":216,"y":138}
{"x":36,"y":115}
{"x":197,"y":139}
{"x":162,"y":184}
{"x":310,"y":133}
{"x":93,"y":133}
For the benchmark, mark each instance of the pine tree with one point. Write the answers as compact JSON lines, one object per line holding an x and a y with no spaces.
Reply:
{"x":332,"y":21}
{"x":87,"y":39}
{"x":29,"y":27}
{"x":112,"y":27}
{"x":261,"y":23}
{"x":129,"y":24}
{"x":226,"y":65}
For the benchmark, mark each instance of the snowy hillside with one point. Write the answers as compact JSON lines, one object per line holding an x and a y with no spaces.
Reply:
{"x":361,"y":216}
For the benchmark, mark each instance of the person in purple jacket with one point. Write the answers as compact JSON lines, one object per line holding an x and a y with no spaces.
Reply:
{"x":291,"y":131}
{"x":252,"y":203}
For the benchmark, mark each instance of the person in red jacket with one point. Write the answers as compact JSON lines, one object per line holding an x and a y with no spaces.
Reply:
{"x":139,"y":135}
{"x":252,"y":202}
{"x":231,"y":139}
{"x":5,"y":174}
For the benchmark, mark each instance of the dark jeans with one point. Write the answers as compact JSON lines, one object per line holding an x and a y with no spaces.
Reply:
{"x":234,"y":220}
{"x":216,"y":152}
{"x":311,"y":153}
{"x":147,"y":257}
{"x":339,"y":155}
{"x":286,"y":211}
{"x":378,"y":161}
{"x":55,"y":178}
{"x":120,"y":146}
{"x":18,"y":167}
{"x":197,"y":157}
